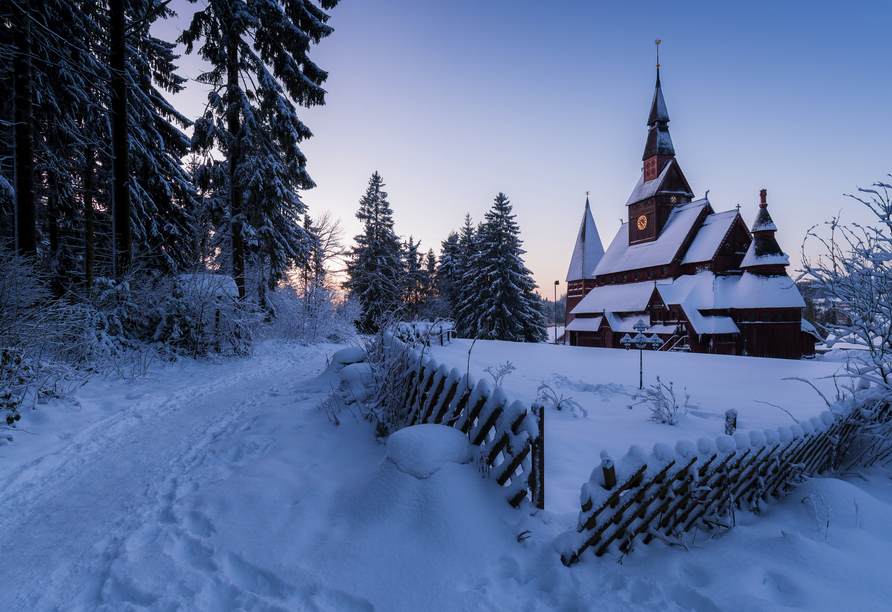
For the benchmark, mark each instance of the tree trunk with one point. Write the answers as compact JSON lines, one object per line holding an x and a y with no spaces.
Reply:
{"x":26,"y":218}
{"x":89,"y":238}
{"x":235,"y":192}
{"x":120,"y":145}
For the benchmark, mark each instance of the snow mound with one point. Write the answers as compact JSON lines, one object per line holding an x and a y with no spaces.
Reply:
{"x":345,"y":357}
{"x":331,"y":377}
{"x":422,"y":450}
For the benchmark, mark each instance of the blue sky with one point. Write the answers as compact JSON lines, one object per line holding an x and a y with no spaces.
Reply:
{"x":453,"y":102}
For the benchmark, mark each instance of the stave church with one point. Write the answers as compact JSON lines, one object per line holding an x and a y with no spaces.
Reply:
{"x":700,"y":280}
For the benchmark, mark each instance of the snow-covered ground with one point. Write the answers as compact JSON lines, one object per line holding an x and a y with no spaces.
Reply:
{"x":225,"y":487}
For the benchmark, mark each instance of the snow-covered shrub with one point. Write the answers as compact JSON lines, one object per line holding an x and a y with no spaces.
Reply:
{"x":313,"y":316}
{"x":855,"y":273}
{"x":424,"y":333}
{"x":39,"y":337}
{"x":661,"y":400}
{"x":546,"y":394}
{"x":375,"y":387}
{"x":500,"y":372}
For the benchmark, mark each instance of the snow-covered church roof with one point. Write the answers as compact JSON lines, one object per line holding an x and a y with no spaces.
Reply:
{"x":588,"y":250}
{"x":709,"y":238}
{"x":621,"y":256}
{"x":705,"y":291}
{"x":649,"y":189}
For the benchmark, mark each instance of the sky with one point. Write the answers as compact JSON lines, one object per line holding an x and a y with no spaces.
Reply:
{"x":454,"y":102}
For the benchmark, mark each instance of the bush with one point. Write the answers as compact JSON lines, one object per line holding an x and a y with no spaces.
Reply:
{"x":661,"y":400}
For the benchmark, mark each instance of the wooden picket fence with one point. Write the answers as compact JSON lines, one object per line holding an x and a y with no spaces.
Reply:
{"x":510,"y":435}
{"x":670,"y":491}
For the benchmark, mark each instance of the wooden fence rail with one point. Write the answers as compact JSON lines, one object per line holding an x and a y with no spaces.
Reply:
{"x":510,"y":435}
{"x":670,"y":491}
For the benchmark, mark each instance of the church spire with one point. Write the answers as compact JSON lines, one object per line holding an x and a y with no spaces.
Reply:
{"x":658,"y":112}
{"x":658,"y":148}
{"x":764,"y":256}
{"x":658,"y":140}
{"x":588,"y":250}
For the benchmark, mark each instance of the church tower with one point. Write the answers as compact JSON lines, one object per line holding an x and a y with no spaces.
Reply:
{"x":662,"y":185}
{"x":586,"y":255}
{"x":764,"y":256}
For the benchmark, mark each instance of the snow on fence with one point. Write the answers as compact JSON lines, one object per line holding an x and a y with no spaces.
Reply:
{"x":509,"y":434}
{"x":673,"y":490}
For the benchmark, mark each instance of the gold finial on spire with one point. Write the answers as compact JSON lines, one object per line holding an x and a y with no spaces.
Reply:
{"x":657,"y":42}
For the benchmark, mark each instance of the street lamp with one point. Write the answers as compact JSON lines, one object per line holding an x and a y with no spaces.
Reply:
{"x":556,"y":283}
{"x":640,"y":341}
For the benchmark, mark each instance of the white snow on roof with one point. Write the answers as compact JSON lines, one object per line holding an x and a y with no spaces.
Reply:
{"x":693,"y":290}
{"x":588,"y":250}
{"x":627,"y":325}
{"x":703,"y":291}
{"x":750,"y":259}
{"x":763,"y":221}
{"x":710,"y":236}
{"x":710,"y":324}
{"x":646,"y":190}
{"x":708,"y":291}
{"x":752,"y":291}
{"x":616,"y":298}
{"x":621,"y":256}
{"x":589,"y":325}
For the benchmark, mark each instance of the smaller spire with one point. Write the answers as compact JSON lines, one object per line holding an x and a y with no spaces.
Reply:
{"x":764,"y":255}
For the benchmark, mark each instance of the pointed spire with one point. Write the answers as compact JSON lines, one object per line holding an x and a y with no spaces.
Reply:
{"x":588,"y":250}
{"x":658,"y":112}
{"x":764,"y":255}
{"x":658,"y":140}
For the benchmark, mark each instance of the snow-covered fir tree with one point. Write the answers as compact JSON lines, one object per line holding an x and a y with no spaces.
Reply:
{"x":258,"y":51}
{"x":374,"y":269}
{"x":448,"y":275}
{"x":163,"y":197}
{"x":414,"y":290}
{"x":498,"y":299}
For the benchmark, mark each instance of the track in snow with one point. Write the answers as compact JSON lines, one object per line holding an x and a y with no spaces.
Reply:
{"x":112,"y":489}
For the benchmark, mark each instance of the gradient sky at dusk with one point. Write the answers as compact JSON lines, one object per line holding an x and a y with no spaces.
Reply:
{"x":453,"y":102}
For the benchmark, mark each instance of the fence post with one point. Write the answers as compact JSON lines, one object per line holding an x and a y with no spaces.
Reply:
{"x":730,"y":421}
{"x":538,"y":459}
{"x":609,"y":471}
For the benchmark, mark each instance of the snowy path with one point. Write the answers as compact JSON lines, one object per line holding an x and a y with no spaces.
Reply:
{"x":225,"y":487}
{"x":113,"y":486}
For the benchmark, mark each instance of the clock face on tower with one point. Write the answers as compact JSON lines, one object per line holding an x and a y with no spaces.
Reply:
{"x":642,"y":222}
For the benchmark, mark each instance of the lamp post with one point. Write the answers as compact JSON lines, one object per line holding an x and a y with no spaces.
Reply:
{"x":556,"y":283}
{"x":640,"y":341}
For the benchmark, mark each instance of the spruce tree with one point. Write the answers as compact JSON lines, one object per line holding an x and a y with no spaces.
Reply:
{"x":258,"y":50}
{"x":375,"y":267}
{"x":499,"y":301}
{"x":447,"y":279}
{"x":414,"y":293}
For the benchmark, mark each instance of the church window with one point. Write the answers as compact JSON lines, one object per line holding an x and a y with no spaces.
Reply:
{"x":664,"y":270}
{"x":650,"y":273}
{"x":625,"y":276}
{"x":613,"y":279}
{"x":636,"y":274}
